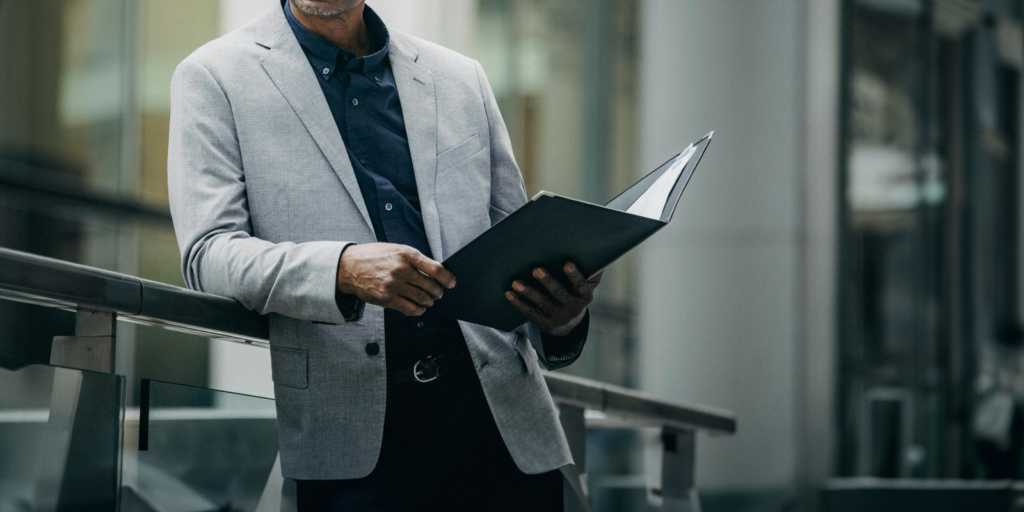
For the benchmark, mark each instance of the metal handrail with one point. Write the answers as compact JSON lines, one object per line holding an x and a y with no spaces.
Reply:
{"x":60,"y":284}
{"x":54,"y":283}
{"x":636,"y":407}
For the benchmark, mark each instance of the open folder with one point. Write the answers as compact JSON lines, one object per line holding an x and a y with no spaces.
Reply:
{"x":552,"y":230}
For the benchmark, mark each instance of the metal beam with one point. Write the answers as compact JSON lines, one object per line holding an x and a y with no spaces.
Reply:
{"x":60,"y":284}
{"x":679,"y":458}
{"x":641,"y":409}
{"x":92,"y":347}
{"x":37,"y":188}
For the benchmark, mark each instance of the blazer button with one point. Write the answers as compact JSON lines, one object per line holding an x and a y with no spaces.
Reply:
{"x":372,"y":349}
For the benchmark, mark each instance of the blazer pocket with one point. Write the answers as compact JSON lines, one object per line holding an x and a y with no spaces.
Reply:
{"x":459,"y":152}
{"x":289,"y":366}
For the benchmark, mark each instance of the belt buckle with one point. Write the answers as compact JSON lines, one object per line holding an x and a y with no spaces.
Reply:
{"x":426,"y":369}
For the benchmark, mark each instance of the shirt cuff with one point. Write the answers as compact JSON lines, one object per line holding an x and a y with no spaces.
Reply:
{"x":350,"y":306}
{"x":560,"y":351}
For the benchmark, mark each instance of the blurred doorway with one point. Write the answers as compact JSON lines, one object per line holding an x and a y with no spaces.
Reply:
{"x":931,"y":371}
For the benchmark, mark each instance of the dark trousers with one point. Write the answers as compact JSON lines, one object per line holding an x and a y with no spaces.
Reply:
{"x":437,"y":469}
{"x":441,"y":451}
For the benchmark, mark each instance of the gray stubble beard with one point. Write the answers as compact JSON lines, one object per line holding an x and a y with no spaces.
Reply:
{"x":310,"y":8}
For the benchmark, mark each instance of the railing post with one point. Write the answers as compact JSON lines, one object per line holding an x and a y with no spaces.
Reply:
{"x":93,"y":345}
{"x":92,"y":349}
{"x":679,"y":458}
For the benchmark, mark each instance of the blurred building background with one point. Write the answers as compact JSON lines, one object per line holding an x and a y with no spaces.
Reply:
{"x":844,"y":272}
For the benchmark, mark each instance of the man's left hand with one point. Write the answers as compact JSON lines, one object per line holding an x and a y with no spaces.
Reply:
{"x":561,"y":308}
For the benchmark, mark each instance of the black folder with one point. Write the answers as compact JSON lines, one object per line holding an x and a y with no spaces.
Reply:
{"x":552,"y":230}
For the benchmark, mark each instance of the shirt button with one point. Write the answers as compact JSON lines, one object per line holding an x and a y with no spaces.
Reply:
{"x":388,"y":207}
{"x":376,"y":79}
{"x":327,"y":70}
{"x":419,"y":324}
{"x":355,"y":102}
{"x":372,"y":349}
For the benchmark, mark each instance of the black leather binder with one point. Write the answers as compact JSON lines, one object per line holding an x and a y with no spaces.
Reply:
{"x":551,"y":230}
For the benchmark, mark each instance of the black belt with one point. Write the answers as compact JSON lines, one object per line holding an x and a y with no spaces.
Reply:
{"x":428,"y":369}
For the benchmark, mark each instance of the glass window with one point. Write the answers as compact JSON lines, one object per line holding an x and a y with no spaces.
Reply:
{"x":929,"y":307}
{"x":563,"y":72}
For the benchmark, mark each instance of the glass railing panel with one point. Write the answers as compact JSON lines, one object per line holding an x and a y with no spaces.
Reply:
{"x":201,"y":449}
{"x":616,"y":470}
{"x":60,"y":439}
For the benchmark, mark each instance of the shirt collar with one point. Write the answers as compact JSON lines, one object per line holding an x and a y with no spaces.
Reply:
{"x":326,"y":57}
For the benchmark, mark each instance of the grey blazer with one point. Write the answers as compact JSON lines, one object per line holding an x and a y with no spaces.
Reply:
{"x":264,"y":200}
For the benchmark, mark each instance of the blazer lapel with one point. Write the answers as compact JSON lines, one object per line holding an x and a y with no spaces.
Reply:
{"x":416,"y":92}
{"x":288,"y":67}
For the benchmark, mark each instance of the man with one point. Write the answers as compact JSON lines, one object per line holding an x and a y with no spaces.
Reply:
{"x":319,"y":167}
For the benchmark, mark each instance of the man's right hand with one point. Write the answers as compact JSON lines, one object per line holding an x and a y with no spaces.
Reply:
{"x":393,"y":276}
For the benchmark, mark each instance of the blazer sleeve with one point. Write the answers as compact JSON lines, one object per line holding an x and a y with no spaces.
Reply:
{"x":206,"y":184}
{"x":508,"y":194}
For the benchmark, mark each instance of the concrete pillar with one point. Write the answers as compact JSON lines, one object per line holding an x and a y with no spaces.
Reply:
{"x":719,"y":288}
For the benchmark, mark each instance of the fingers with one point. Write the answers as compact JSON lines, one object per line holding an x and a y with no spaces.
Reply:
{"x":393,"y":276}
{"x":580,"y":285}
{"x":406,"y":307}
{"x":416,"y":295}
{"x":416,"y":278}
{"x":554,"y":287}
{"x":562,"y":310}
{"x":539,"y":300}
{"x":431,"y":268}
{"x":527,"y":310}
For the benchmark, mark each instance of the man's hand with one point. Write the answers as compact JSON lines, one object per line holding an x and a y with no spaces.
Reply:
{"x":393,"y":276}
{"x":559,"y":310}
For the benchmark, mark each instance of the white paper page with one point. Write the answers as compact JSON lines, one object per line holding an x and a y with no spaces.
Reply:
{"x":652,"y":203}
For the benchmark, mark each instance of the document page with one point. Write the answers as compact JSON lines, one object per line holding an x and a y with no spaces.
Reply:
{"x":652,"y":203}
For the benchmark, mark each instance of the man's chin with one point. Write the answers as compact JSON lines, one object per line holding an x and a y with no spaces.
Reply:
{"x":325,"y":9}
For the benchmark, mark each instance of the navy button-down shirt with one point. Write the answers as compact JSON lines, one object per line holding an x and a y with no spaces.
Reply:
{"x":363,"y":98}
